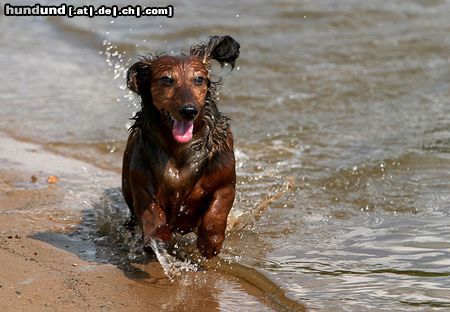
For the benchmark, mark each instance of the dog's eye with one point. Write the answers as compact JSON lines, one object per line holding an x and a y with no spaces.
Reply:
{"x":199,"y":80}
{"x":167,"y":81}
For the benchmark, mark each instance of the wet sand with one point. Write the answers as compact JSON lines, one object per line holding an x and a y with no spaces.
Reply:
{"x":37,"y":276}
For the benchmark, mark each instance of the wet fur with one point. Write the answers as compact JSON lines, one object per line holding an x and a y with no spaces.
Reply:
{"x":180,"y":187}
{"x":198,"y":150}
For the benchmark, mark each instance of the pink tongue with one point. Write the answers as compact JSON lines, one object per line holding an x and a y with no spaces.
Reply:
{"x":182,"y":130}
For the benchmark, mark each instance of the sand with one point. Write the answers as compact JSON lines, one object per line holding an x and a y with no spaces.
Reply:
{"x":37,"y":276}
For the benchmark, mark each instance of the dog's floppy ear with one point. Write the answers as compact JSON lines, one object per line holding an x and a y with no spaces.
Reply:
{"x":223,"y":49}
{"x":137,"y":76}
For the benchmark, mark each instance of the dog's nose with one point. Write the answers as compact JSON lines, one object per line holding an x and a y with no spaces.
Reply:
{"x":188,"y":111}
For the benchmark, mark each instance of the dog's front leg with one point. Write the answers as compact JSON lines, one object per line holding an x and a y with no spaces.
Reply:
{"x":151,"y":217}
{"x":211,"y":232}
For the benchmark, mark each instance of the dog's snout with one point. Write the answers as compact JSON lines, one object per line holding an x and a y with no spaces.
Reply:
{"x":188,"y":111}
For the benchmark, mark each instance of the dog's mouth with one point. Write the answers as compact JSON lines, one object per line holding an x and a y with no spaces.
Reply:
{"x":182,"y":130}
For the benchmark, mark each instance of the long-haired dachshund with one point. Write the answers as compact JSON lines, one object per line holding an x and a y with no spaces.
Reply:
{"x":178,"y":167}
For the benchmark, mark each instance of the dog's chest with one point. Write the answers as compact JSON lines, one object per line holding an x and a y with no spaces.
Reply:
{"x":176,"y":179}
{"x":178,"y":182}
{"x":181,"y":195}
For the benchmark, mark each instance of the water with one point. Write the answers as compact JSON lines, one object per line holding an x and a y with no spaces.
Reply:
{"x":171,"y":266}
{"x":341,"y":107}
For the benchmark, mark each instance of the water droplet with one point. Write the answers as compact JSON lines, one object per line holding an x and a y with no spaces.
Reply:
{"x":237,"y":15}
{"x":171,"y":266}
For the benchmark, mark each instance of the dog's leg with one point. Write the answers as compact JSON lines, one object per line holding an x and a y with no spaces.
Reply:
{"x":150,"y":217}
{"x":211,"y":232}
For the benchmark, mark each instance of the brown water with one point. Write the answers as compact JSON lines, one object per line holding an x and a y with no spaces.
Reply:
{"x":343,"y":106}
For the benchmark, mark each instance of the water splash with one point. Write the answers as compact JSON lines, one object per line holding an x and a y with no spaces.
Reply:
{"x":238,"y":221}
{"x":172,"y":266}
{"x":115,"y":59}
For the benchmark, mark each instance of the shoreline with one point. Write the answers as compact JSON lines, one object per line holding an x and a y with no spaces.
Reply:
{"x":46,"y":267}
{"x":35,"y":275}
{"x":52,"y":148}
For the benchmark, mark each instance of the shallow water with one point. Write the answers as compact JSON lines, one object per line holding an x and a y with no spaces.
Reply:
{"x":342,"y":106}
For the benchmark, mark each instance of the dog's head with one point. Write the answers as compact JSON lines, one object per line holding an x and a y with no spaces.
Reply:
{"x":178,"y":86}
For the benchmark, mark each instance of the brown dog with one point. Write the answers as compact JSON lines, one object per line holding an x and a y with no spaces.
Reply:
{"x":178,"y":168}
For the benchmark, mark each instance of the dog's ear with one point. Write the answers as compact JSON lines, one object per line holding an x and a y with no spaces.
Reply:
{"x":223,"y":49}
{"x":137,"y":76}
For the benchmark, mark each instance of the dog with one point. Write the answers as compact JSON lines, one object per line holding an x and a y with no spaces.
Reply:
{"x":178,"y":171}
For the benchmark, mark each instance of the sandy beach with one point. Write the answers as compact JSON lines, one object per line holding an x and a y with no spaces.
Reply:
{"x":37,"y":276}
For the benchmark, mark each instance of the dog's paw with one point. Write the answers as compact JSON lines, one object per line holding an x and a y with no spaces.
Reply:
{"x":161,"y":233}
{"x":210,"y":247}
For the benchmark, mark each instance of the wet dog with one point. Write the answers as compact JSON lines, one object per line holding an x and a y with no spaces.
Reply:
{"x":178,"y":167}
